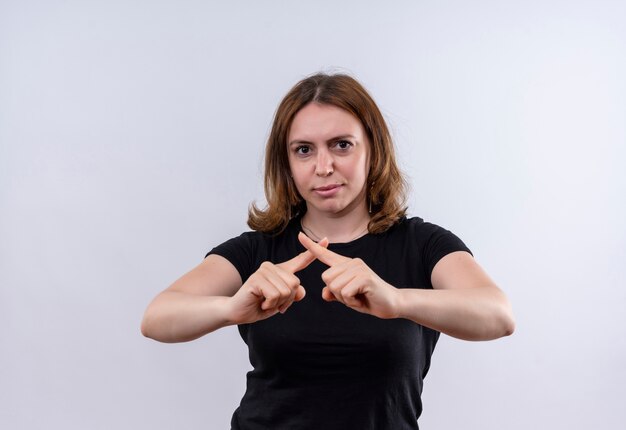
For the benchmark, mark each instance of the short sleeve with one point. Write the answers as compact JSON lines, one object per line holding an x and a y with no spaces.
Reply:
{"x":240,"y":251}
{"x":439,"y":243}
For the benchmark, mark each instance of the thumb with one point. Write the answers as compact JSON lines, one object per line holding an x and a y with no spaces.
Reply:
{"x":327,"y":295}
{"x":300,"y":293}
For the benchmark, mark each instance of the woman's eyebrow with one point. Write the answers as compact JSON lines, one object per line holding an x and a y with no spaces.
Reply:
{"x":332,"y":139}
{"x":341,"y":136}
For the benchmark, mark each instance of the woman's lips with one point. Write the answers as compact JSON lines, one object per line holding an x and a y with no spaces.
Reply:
{"x":327,"y":190}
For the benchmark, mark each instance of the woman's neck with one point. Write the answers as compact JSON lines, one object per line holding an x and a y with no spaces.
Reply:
{"x":338,"y":229}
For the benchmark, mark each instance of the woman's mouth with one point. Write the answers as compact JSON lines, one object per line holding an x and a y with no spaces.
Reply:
{"x":327,"y":190}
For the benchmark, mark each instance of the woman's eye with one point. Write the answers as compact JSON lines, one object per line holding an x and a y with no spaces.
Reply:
{"x":303,"y":150}
{"x":343,"y":144}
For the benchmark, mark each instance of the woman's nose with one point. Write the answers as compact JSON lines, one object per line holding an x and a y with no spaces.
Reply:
{"x":324,"y":165}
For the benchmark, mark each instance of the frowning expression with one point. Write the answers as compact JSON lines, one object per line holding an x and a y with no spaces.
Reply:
{"x":329,"y":159}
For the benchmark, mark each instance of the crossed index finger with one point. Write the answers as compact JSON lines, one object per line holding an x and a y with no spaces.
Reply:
{"x":324,"y":255}
{"x":303,"y":259}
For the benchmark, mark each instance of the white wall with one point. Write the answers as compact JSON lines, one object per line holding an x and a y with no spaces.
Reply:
{"x":131,"y":139}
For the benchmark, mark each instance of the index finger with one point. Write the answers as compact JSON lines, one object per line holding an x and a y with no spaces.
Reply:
{"x":301,"y":260}
{"x":324,"y":255}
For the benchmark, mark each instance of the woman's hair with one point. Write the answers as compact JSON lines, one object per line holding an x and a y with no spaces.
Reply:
{"x":386,"y":187}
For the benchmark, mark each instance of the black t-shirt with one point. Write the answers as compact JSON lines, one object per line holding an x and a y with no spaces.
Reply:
{"x":324,"y":366}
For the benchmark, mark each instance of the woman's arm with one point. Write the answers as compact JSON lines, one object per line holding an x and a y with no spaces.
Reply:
{"x":194,"y":305}
{"x":465,"y":303}
{"x":212,"y":296}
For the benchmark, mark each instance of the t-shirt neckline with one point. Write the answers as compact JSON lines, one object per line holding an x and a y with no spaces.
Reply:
{"x":334,"y":245}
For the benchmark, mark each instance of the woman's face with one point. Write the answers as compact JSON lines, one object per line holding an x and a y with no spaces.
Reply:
{"x":329,"y":159}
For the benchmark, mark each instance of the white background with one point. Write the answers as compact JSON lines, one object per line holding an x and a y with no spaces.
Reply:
{"x":131,"y":142}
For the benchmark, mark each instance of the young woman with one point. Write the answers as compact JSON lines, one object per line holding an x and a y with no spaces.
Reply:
{"x":339,"y":296}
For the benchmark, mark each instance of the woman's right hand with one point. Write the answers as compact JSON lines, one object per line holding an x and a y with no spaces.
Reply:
{"x":269,"y":290}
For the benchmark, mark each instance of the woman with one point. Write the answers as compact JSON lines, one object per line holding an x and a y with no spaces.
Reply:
{"x":339,"y":296}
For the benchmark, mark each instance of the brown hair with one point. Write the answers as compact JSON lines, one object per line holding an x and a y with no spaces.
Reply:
{"x":386,"y":193}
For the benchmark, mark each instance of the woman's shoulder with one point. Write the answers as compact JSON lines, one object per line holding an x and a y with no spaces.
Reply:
{"x":258,"y":236}
{"x":255,"y":239}
{"x":413,"y":224}
{"x":416,"y":229}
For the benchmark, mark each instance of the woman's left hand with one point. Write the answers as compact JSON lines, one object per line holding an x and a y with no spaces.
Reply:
{"x":351,"y":282}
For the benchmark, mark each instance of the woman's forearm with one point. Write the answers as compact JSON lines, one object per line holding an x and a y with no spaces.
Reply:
{"x":468,"y":314}
{"x":180,"y":317}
